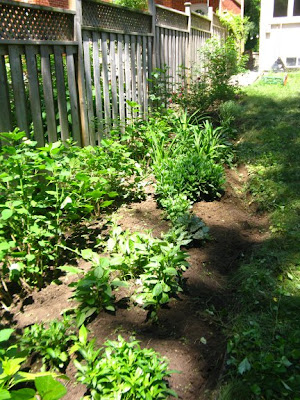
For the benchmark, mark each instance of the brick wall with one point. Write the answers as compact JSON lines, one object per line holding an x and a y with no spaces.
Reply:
{"x":179,"y":4}
{"x":67,"y":4}
{"x":231,"y":5}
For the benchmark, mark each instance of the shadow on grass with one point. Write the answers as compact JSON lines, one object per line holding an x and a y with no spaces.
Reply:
{"x":265,"y":336}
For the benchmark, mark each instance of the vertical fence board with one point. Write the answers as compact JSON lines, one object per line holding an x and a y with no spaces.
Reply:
{"x":158,"y":48}
{"x":34,"y":94}
{"x":5,"y":114}
{"x":139,"y":73}
{"x":15,"y":53}
{"x":97,"y":84}
{"x":133,"y":67}
{"x":61,"y":93}
{"x":113,"y":78}
{"x":72,"y":84}
{"x":88,"y":81}
{"x":121,"y":81}
{"x":48,"y":94}
{"x":150,"y":67}
{"x":145,"y":76}
{"x":127,"y":76}
{"x":107,"y":111}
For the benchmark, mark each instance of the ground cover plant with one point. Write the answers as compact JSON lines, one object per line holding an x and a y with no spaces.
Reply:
{"x":264,"y":349}
{"x":45,"y":190}
{"x":121,"y":370}
{"x":50,"y":343}
{"x":15,"y":383}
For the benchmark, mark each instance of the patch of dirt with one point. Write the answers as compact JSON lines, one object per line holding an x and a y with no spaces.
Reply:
{"x":190,"y":330}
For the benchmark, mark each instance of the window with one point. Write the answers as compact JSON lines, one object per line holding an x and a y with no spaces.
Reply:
{"x":280,"y":8}
{"x":296,"y":11}
{"x":291,"y":61}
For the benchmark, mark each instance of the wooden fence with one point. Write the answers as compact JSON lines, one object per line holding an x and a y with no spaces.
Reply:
{"x":67,"y":74}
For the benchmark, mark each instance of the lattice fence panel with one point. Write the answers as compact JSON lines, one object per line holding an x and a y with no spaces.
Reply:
{"x":25,"y":23}
{"x":171,"y":19}
{"x":200,"y":23}
{"x":106,"y":16}
{"x":216,"y":21}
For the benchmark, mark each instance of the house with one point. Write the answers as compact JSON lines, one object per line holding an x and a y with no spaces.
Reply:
{"x":201,"y":6}
{"x":279,"y":34}
{"x":66,"y":4}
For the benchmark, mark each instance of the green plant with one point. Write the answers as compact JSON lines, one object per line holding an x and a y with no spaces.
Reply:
{"x":194,"y":227}
{"x":192,"y":175}
{"x":238,"y":28}
{"x":44,"y":190}
{"x":157,"y":265}
{"x":175,"y":206}
{"x":50,"y":342}
{"x":134,"y":4}
{"x":210,"y":86}
{"x":94,"y":290}
{"x":15,"y":383}
{"x":121,"y":370}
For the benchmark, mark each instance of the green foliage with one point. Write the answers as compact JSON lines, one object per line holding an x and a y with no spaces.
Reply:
{"x":252,"y":11}
{"x":263,"y":349}
{"x":192,"y":175}
{"x":94,"y":290}
{"x":229,"y":113}
{"x":15,"y":383}
{"x":157,"y":265}
{"x":238,"y":28}
{"x":175,"y":206}
{"x":50,"y":342}
{"x":141,"y":5}
{"x":211,"y":85}
{"x":121,"y":370}
{"x":44,"y":190}
{"x":160,"y":89}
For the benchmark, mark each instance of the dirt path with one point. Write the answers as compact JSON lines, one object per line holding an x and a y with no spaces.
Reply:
{"x":190,"y":331}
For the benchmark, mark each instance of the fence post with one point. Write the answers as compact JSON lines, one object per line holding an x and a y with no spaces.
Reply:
{"x":152,"y":10}
{"x":187,"y":6}
{"x":81,"y":75}
{"x":211,"y":17}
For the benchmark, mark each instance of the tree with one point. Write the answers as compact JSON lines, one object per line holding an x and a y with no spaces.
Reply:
{"x":252,"y":11}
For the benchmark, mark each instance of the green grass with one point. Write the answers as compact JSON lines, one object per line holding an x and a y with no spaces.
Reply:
{"x":264,"y":344}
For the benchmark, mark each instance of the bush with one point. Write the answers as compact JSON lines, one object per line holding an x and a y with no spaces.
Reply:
{"x":212,"y":84}
{"x":121,"y":370}
{"x":44,"y":190}
{"x":192,"y":175}
{"x":50,"y":343}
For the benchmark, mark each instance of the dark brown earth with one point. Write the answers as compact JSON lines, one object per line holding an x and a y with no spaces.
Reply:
{"x":190,"y":332}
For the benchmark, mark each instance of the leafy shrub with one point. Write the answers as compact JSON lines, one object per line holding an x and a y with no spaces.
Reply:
{"x":134,"y":4}
{"x":192,"y":175}
{"x":194,"y":226}
{"x":157,"y":265}
{"x":50,"y":343}
{"x":121,"y":370}
{"x":229,"y":112}
{"x":212,"y":85}
{"x":15,"y":383}
{"x":175,"y":206}
{"x":94,"y":290}
{"x":43,"y":190}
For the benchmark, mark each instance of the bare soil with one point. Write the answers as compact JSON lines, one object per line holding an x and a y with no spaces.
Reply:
{"x":190,"y":332}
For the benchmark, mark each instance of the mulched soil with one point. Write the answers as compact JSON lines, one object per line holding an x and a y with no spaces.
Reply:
{"x":190,"y":332}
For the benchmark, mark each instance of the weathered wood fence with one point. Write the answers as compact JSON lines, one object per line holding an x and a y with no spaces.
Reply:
{"x":66,"y":74}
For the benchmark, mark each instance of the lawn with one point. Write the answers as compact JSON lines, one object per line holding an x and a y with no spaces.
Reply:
{"x":264,"y":345}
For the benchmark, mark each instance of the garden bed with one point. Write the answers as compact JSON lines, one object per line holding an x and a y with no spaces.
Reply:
{"x":190,"y":329}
